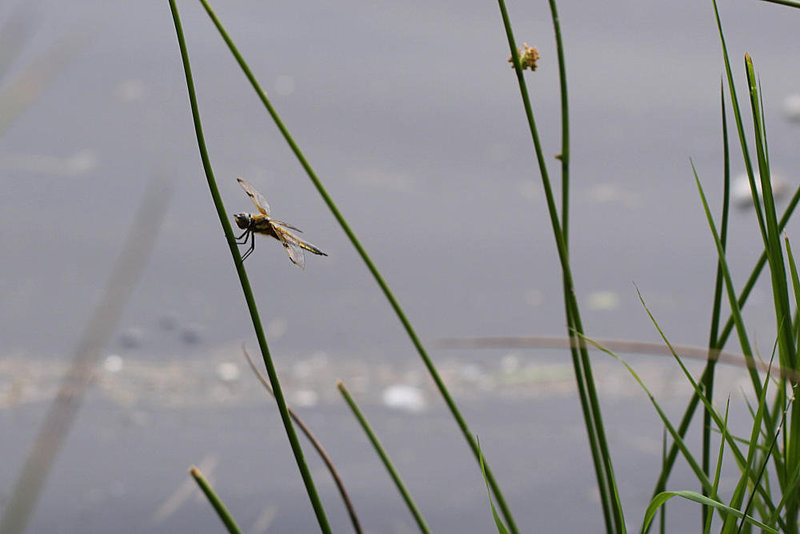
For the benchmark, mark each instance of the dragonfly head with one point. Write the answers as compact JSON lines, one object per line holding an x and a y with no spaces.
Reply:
{"x":242,"y":220}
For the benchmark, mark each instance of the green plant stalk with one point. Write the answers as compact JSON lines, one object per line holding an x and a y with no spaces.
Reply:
{"x":376,"y":444}
{"x":564,"y":157}
{"x":440,"y":385}
{"x":248,"y":294}
{"x":778,"y":272}
{"x":708,"y":378}
{"x":777,"y":264}
{"x":215,"y":501}
{"x":612,"y":511}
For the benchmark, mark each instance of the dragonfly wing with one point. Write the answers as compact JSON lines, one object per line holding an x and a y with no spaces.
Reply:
{"x":286,"y":225}
{"x":295,"y":254}
{"x":257,"y":198}
{"x":304,"y":245}
{"x":289,"y":242}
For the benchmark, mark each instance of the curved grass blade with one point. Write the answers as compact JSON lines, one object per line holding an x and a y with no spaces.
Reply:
{"x":215,"y":501}
{"x":663,"y":497}
{"x":431,"y":368}
{"x":351,"y":511}
{"x":384,"y":456}
{"x":297,"y":450}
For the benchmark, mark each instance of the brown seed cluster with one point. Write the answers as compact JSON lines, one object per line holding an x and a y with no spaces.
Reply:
{"x":528,"y":56}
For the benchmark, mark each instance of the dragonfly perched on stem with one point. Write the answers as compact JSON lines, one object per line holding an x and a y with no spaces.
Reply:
{"x":262,"y":223}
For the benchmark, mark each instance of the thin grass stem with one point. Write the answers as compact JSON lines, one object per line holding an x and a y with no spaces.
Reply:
{"x":612,"y":510}
{"x":215,"y":501}
{"x":387,"y":463}
{"x":245,"y":283}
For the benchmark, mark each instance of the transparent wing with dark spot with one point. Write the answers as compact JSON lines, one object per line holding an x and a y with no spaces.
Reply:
{"x":305,"y":245}
{"x":294,"y":251}
{"x":257,"y":198}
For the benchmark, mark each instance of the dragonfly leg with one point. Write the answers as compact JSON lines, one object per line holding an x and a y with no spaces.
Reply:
{"x":252,"y":246}
{"x":245,"y":235}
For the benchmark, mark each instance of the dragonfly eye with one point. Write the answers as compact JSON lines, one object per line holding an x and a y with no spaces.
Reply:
{"x":242,"y":220}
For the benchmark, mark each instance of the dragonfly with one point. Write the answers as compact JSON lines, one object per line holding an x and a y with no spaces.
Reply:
{"x":262,"y":223}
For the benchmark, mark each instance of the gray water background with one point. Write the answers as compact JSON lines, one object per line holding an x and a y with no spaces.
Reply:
{"x":411,"y":116}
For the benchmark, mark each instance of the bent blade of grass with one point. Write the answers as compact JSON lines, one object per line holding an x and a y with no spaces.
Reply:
{"x":693,"y":464}
{"x":384,"y":456}
{"x":732,"y":301}
{"x":215,"y":501}
{"x":501,"y":528}
{"x":351,"y":511}
{"x":297,"y":450}
{"x":393,"y":302}
{"x":663,"y":497}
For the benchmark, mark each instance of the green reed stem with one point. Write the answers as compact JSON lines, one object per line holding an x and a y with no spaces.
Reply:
{"x":248,"y":294}
{"x":215,"y":501}
{"x":387,"y":462}
{"x":440,"y":385}
{"x":612,"y":509}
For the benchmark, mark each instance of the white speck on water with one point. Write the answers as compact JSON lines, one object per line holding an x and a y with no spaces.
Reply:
{"x":791,"y":107}
{"x":113,"y":363}
{"x":602,"y":300}
{"x":740,"y":188}
{"x":304,"y":398}
{"x":228,"y":371}
{"x":404,"y":397}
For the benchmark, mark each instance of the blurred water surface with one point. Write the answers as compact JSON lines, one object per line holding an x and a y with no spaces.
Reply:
{"x":411,"y":116}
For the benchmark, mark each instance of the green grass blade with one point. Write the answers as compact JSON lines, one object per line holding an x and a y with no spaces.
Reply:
{"x":663,"y":497}
{"x":501,"y":528}
{"x":774,"y":249}
{"x":717,"y":472}
{"x":376,"y":444}
{"x":564,"y":156}
{"x":215,"y":501}
{"x":708,"y":375}
{"x":245,"y":283}
{"x":740,"y":126}
{"x":732,"y":301}
{"x":693,"y":464}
